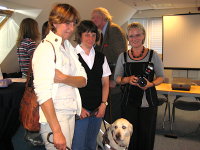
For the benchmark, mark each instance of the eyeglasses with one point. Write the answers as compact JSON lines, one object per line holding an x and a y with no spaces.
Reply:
{"x":48,"y":136}
{"x":135,"y":36}
{"x":75,"y":22}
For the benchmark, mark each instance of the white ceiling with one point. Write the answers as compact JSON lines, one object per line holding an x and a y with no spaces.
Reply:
{"x":137,"y":4}
{"x":161,"y":4}
{"x":122,"y":10}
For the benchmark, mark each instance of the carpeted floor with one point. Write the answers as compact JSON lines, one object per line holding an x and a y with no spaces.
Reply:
{"x":186,"y":127}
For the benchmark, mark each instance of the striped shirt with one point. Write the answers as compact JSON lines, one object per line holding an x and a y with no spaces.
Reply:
{"x":24,"y":53}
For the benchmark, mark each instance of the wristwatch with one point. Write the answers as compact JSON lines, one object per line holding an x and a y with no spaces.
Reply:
{"x":106,"y":103}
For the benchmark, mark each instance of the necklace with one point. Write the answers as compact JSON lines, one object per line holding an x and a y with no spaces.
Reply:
{"x":142,"y":52}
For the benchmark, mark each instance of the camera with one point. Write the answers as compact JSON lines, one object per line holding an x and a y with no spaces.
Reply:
{"x":141,"y":79}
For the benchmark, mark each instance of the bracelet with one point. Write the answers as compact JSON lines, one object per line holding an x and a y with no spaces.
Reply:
{"x":153,"y":84}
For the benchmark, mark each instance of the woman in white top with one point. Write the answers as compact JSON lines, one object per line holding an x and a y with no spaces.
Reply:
{"x":93,"y":96}
{"x":57,"y":76}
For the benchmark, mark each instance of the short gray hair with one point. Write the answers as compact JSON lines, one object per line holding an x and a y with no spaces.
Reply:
{"x":104,"y":12}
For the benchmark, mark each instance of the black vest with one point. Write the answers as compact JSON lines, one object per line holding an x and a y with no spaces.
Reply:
{"x":132,"y":95}
{"x":91,"y":94}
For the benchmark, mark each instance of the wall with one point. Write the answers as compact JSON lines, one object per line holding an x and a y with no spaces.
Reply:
{"x":9,"y":33}
{"x":192,"y":74}
{"x":39,"y":10}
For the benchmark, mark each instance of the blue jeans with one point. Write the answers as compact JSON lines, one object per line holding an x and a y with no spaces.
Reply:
{"x":85,"y":134}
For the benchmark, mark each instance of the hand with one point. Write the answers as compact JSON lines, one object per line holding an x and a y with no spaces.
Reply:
{"x":112,"y":84}
{"x":133,"y":80}
{"x":101,"y":112}
{"x":84,"y":113}
{"x":59,"y":76}
{"x":59,"y":141}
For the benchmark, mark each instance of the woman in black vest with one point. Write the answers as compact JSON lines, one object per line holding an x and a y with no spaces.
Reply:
{"x":94,"y":96}
{"x":135,"y":70}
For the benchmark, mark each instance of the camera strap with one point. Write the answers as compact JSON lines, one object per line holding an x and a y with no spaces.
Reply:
{"x":150,"y":57}
{"x":125,"y":57}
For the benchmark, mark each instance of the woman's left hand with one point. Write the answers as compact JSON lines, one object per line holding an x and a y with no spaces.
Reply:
{"x":101,"y":112}
{"x":84,"y":113}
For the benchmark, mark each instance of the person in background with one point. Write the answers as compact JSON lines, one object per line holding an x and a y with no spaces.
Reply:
{"x":27,"y":41}
{"x":112,"y":43}
{"x":94,"y":96}
{"x":114,"y":39}
{"x":57,"y":76}
{"x":139,"y":99}
{"x":45,"y":29}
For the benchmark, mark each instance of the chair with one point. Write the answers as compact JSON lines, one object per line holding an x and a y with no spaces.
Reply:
{"x":161,"y":100}
{"x":182,"y":104}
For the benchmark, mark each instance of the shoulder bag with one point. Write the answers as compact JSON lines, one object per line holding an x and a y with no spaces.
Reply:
{"x":29,"y":107}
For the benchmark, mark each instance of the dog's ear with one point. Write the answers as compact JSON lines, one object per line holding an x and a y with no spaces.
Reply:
{"x":112,"y":126}
{"x":130,"y":128}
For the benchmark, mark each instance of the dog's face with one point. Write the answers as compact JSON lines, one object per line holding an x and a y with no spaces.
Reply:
{"x":121,"y":131}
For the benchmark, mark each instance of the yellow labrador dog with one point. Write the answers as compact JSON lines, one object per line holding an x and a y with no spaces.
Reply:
{"x":117,"y":136}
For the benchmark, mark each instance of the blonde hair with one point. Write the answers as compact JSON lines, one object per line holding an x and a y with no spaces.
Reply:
{"x":104,"y":12}
{"x":139,"y":26}
{"x":62,"y":13}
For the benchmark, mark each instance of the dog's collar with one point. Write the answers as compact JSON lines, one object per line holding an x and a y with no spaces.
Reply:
{"x":106,"y":142}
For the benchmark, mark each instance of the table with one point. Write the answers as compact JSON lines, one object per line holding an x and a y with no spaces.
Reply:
{"x":10,"y":98}
{"x":166,"y":89}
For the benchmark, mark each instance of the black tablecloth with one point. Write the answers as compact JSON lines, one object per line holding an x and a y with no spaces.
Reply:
{"x":10,"y":98}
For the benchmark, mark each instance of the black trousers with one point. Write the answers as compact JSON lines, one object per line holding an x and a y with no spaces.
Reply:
{"x":144,"y":126}
{"x":113,"y":110}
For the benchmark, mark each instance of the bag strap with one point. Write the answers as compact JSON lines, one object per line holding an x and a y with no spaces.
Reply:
{"x":53,"y":50}
{"x":29,"y":82}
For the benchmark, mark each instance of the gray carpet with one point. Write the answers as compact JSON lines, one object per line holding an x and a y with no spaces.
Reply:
{"x":185,"y":127}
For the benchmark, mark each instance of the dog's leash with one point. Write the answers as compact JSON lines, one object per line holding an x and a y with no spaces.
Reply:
{"x":104,"y":124}
{"x":77,"y":117}
{"x":48,"y":139}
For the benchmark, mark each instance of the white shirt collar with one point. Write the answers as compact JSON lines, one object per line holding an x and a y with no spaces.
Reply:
{"x":89,"y":59}
{"x":79,"y":50}
{"x":104,"y":28}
